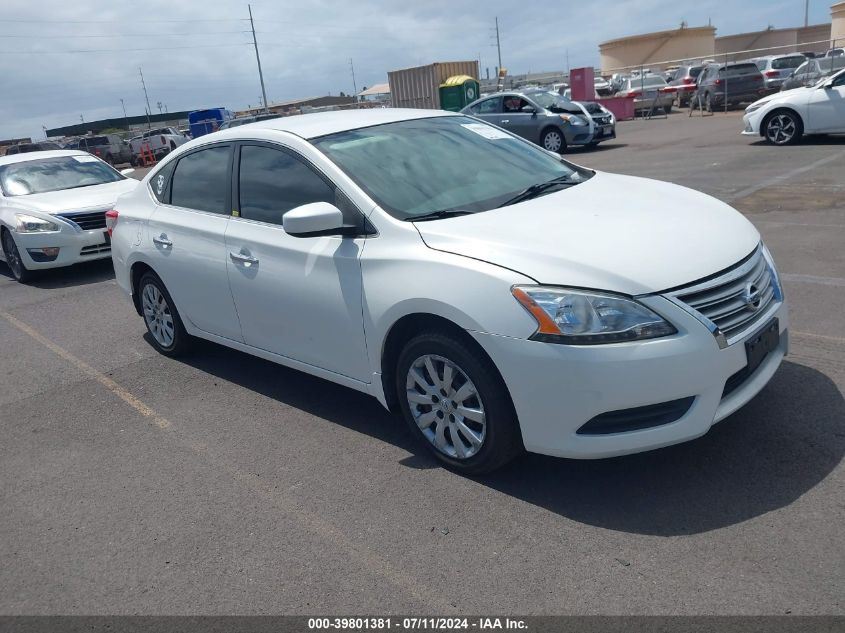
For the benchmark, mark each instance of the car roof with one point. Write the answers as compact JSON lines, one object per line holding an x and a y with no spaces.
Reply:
{"x":51,"y":153}
{"x":322,"y":123}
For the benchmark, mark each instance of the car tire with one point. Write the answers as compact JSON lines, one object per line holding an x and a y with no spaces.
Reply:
{"x":668,"y":109}
{"x":468,"y":399}
{"x":783,"y":127}
{"x":552,"y":139}
{"x":708,"y":102}
{"x":110,"y":159}
{"x":161,"y":317}
{"x":133,"y":161}
{"x":13,"y":259}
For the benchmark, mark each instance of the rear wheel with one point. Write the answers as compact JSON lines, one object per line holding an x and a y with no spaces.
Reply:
{"x":13,"y":258}
{"x":783,"y":128}
{"x":456,"y":404}
{"x":553,"y":140}
{"x":708,"y":100}
{"x":668,"y":109}
{"x":161,"y":317}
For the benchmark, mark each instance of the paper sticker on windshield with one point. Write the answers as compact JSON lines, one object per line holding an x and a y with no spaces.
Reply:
{"x":486,"y":131}
{"x":86,"y":159}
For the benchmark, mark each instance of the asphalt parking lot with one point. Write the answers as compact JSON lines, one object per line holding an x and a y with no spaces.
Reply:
{"x":133,"y":483}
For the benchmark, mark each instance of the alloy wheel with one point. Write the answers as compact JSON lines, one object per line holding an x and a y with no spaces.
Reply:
{"x":446,"y":406}
{"x":157,"y":315}
{"x":781,"y":129}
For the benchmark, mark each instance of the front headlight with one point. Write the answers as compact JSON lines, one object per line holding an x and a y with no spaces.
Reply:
{"x":578,"y":317}
{"x":31,"y":224}
{"x":753,"y":107}
{"x":573,"y":119}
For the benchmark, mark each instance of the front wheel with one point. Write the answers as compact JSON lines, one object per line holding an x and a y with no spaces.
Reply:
{"x":668,"y":109}
{"x":553,"y":141}
{"x":456,"y":404}
{"x":161,"y":317}
{"x":13,"y":258}
{"x":783,"y":128}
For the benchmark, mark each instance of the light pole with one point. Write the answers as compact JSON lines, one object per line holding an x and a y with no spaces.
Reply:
{"x":125,"y":118}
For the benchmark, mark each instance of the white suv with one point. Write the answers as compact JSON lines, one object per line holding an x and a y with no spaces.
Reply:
{"x":497,"y":297}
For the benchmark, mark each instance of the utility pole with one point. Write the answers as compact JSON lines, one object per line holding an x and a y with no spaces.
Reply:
{"x":806,"y":13}
{"x":82,"y":118}
{"x":147,"y":97}
{"x":257,"y":58}
{"x":125,"y":118}
{"x":500,"y":80}
{"x":354,"y":85}
{"x":158,"y":105}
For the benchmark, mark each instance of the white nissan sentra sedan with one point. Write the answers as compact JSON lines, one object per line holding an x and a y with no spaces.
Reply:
{"x":52,"y":209}
{"x":494,"y":295}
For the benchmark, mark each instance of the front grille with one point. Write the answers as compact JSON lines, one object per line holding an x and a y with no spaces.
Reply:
{"x":87,"y":221}
{"x":638,"y":418}
{"x":737,"y":299}
{"x":96,"y":249}
{"x":602,"y":120}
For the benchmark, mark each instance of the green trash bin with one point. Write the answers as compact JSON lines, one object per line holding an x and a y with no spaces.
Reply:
{"x":457,"y":92}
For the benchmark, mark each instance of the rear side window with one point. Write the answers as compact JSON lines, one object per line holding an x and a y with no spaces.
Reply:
{"x":201,"y":180}
{"x":160,"y":182}
{"x":695,"y":71}
{"x":762,"y":63}
{"x":272,"y":182}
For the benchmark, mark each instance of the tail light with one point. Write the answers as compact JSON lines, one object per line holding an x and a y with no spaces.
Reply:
{"x":634,"y":93}
{"x":771,"y":73}
{"x":717,"y":82}
{"x":163,"y":141}
{"x":97,"y":152}
{"x":760,"y":77}
{"x":688,"y":80}
{"x":111,"y":221}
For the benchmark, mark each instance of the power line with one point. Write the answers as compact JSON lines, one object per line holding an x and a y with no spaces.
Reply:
{"x":121,"y":50}
{"x":192,"y":20}
{"x":119,"y":35}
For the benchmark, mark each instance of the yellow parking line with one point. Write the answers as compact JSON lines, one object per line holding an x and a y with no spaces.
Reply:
{"x":85,"y":368}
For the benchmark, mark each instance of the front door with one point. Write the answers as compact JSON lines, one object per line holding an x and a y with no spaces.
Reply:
{"x":827,"y":107}
{"x":519,"y":117}
{"x":186,"y":238}
{"x":300,"y":297}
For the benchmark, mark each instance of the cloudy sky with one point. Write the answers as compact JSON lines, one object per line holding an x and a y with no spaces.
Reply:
{"x":60,"y":60}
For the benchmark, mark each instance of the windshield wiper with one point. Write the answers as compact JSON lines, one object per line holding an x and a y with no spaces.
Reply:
{"x":436,"y":215}
{"x":541,"y":187}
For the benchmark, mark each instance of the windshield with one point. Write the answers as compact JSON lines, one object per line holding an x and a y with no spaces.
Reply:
{"x":553,"y":102}
{"x":415,"y":168}
{"x":55,"y":174}
{"x":739,"y":69}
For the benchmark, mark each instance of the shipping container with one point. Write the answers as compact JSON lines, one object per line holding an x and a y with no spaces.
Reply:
{"x":419,"y":87}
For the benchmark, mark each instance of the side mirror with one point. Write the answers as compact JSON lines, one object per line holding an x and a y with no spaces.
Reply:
{"x":312,"y":220}
{"x":128,"y":171}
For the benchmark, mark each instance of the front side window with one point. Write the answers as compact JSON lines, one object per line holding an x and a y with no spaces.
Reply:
{"x":55,"y":174}
{"x":446,"y":163}
{"x":201,"y":180}
{"x":514,"y":104}
{"x":272,"y":182}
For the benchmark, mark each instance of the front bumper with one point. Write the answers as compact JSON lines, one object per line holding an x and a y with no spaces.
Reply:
{"x":751,"y":123}
{"x":74,"y":247}
{"x":556,"y":389}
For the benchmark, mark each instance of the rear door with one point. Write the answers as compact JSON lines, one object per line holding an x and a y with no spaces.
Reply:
{"x":300,"y":297}
{"x":186,"y":235}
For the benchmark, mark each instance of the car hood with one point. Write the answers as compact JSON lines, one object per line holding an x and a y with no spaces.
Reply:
{"x":784,"y":95}
{"x":68,"y":200}
{"x":616,"y":233}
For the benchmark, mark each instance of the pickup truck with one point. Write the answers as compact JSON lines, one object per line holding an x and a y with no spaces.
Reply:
{"x":162,"y":141}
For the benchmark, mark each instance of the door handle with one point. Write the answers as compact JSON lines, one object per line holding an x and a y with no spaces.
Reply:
{"x":506,"y":121}
{"x":162,"y":241}
{"x":246,"y":260}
